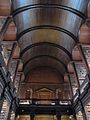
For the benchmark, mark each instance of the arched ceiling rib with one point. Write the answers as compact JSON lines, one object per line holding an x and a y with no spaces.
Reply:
{"x":47,"y":22}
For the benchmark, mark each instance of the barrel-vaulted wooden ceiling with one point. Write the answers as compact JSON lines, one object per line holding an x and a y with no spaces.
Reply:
{"x":76,"y":67}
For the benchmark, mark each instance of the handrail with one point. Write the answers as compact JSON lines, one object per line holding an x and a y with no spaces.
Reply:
{"x":45,"y":101}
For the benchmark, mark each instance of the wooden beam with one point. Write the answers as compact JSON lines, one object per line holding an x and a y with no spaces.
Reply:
{"x":12,"y":41}
{"x":44,"y":83}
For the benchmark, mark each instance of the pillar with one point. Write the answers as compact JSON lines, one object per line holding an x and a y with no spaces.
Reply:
{"x":11,"y":115}
{"x":83,"y":110}
{"x":58,"y":115}
{"x":32,"y":115}
{"x":5,"y":110}
{"x":1,"y":103}
{"x":70,"y":84}
{"x":74,"y":115}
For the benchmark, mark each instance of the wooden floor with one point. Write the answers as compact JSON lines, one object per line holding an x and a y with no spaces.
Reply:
{"x":44,"y":117}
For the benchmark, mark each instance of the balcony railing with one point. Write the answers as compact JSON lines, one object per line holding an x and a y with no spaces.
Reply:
{"x":45,"y":101}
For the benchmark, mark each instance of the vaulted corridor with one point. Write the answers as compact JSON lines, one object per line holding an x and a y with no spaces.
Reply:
{"x":44,"y":60}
